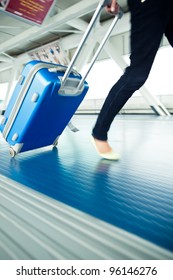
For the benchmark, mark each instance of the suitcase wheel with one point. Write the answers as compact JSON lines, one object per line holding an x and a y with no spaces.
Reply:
{"x":54,"y":148}
{"x":55,"y":143}
{"x":12,"y":152}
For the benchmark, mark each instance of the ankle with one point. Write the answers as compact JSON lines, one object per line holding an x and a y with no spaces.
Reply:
{"x":102,"y":146}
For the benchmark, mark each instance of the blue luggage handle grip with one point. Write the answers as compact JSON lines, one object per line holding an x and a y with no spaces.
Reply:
{"x":96,"y":15}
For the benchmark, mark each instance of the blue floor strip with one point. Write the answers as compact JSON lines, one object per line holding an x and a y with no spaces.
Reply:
{"x":134,"y":194}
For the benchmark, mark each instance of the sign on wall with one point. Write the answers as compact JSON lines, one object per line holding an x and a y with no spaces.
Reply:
{"x":32,"y":10}
{"x":51,"y":52}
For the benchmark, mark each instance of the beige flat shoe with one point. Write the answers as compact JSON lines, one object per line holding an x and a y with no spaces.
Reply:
{"x":112,"y":155}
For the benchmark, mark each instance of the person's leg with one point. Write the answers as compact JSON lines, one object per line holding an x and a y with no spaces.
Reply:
{"x":147,"y":28}
{"x":169,"y":26}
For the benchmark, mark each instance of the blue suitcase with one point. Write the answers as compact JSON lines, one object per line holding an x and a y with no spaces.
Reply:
{"x":38,"y":112}
{"x":46,"y":97}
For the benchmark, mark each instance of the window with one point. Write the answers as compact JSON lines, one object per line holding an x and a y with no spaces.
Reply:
{"x":106,"y":72}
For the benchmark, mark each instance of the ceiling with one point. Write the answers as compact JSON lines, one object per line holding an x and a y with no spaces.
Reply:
{"x":66,"y":23}
{"x":65,"y":18}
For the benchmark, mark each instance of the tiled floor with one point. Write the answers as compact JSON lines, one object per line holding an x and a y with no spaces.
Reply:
{"x":134,"y":194}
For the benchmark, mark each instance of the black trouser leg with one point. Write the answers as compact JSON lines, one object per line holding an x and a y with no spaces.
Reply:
{"x":149,"y":21}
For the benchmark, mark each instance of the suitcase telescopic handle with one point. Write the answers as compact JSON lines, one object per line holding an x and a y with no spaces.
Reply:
{"x":93,"y":21}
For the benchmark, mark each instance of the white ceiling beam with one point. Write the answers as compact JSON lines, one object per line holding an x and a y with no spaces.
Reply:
{"x":5,"y":58}
{"x":78,"y":24}
{"x":67,"y":31}
{"x":5,"y":66}
{"x":150,"y":98}
{"x":23,"y":58}
{"x":122,"y":26}
{"x":73,"y":12}
{"x":87,"y":53}
{"x":72,"y":41}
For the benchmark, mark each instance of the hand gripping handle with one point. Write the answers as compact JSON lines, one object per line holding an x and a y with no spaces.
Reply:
{"x":105,"y":3}
{"x":96,"y":15}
